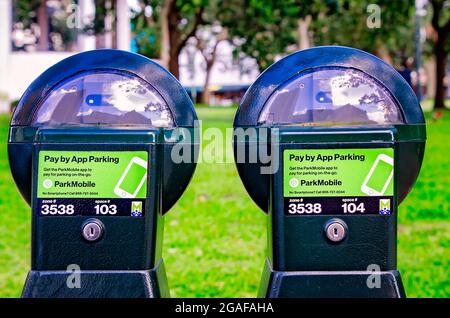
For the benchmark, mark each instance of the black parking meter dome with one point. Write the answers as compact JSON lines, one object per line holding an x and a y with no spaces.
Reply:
{"x":103,"y":89}
{"x":333,"y":88}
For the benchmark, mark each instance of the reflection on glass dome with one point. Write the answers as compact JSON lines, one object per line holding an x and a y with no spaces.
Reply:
{"x":108,"y":98}
{"x":331,"y":96}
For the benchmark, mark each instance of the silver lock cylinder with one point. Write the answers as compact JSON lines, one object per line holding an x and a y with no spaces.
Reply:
{"x":336,"y":230}
{"x":92,"y":230}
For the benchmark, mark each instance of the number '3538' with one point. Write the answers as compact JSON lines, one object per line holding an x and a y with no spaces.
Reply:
{"x":57,"y":209}
{"x":305,"y":208}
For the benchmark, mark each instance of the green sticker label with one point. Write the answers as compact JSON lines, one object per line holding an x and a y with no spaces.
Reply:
{"x":93,"y":174}
{"x":339,"y":173}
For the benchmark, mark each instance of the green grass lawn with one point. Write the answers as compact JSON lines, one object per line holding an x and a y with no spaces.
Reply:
{"x":215,"y":236}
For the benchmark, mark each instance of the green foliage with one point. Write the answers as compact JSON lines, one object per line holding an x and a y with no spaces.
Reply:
{"x":59,"y":25}
{"x":444,"y":16}
{"x":147,"y":40}
{"x":348,"y":25}
{"x":25,"y":11}
{"x":147,"y":34}
{"x":261,"y":29}
{"x":101,"y":11}
{"x":266,"y":29}
{"x":187,"y":15}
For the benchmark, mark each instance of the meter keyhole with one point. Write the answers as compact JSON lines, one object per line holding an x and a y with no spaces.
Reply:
{"x":92,"y":230}
{"x":335,"y":230}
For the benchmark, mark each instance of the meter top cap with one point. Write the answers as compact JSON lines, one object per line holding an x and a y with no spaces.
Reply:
{"x":327,"y":92}
{"x":329,"y":86}
{"x":105,"y":88}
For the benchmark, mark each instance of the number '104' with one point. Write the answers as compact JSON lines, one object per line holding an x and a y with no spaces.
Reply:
{"x":353,"y":207}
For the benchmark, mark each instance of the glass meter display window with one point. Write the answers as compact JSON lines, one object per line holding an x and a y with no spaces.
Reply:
{"x":331,"y":96}
{"x":104,"y":98}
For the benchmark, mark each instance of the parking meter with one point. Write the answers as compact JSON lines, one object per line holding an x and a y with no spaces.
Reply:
{"x":93,"y":149}
{"x":346,"y":138}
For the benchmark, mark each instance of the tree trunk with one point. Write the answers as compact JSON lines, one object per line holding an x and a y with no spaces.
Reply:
{"x":174,"y":40}
{"x":441,"y":67}
{"x":382,"y":52}
{"x":206,"y":95}
{"x":165,"y":33}
{"x":174,"y":65}
{"x":303,"y":36}
{"x":107,"y":36}
{"x":42,"y":17}
{"x":430,"y":71}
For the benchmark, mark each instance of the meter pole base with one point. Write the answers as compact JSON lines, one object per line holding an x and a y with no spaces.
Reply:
{"x":330,"y":284}
{"x":97,"y":284}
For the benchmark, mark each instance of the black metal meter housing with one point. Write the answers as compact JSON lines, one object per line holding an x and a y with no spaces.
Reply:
{"x":91,"y":149}
{"x":346,"y":138}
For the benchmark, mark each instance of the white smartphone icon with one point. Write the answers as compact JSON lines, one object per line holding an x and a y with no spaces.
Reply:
{"x":136,"y":163}
{"x":382,"y":167}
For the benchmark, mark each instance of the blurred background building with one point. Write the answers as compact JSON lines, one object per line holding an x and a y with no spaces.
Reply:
{"x":31,"y":43}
